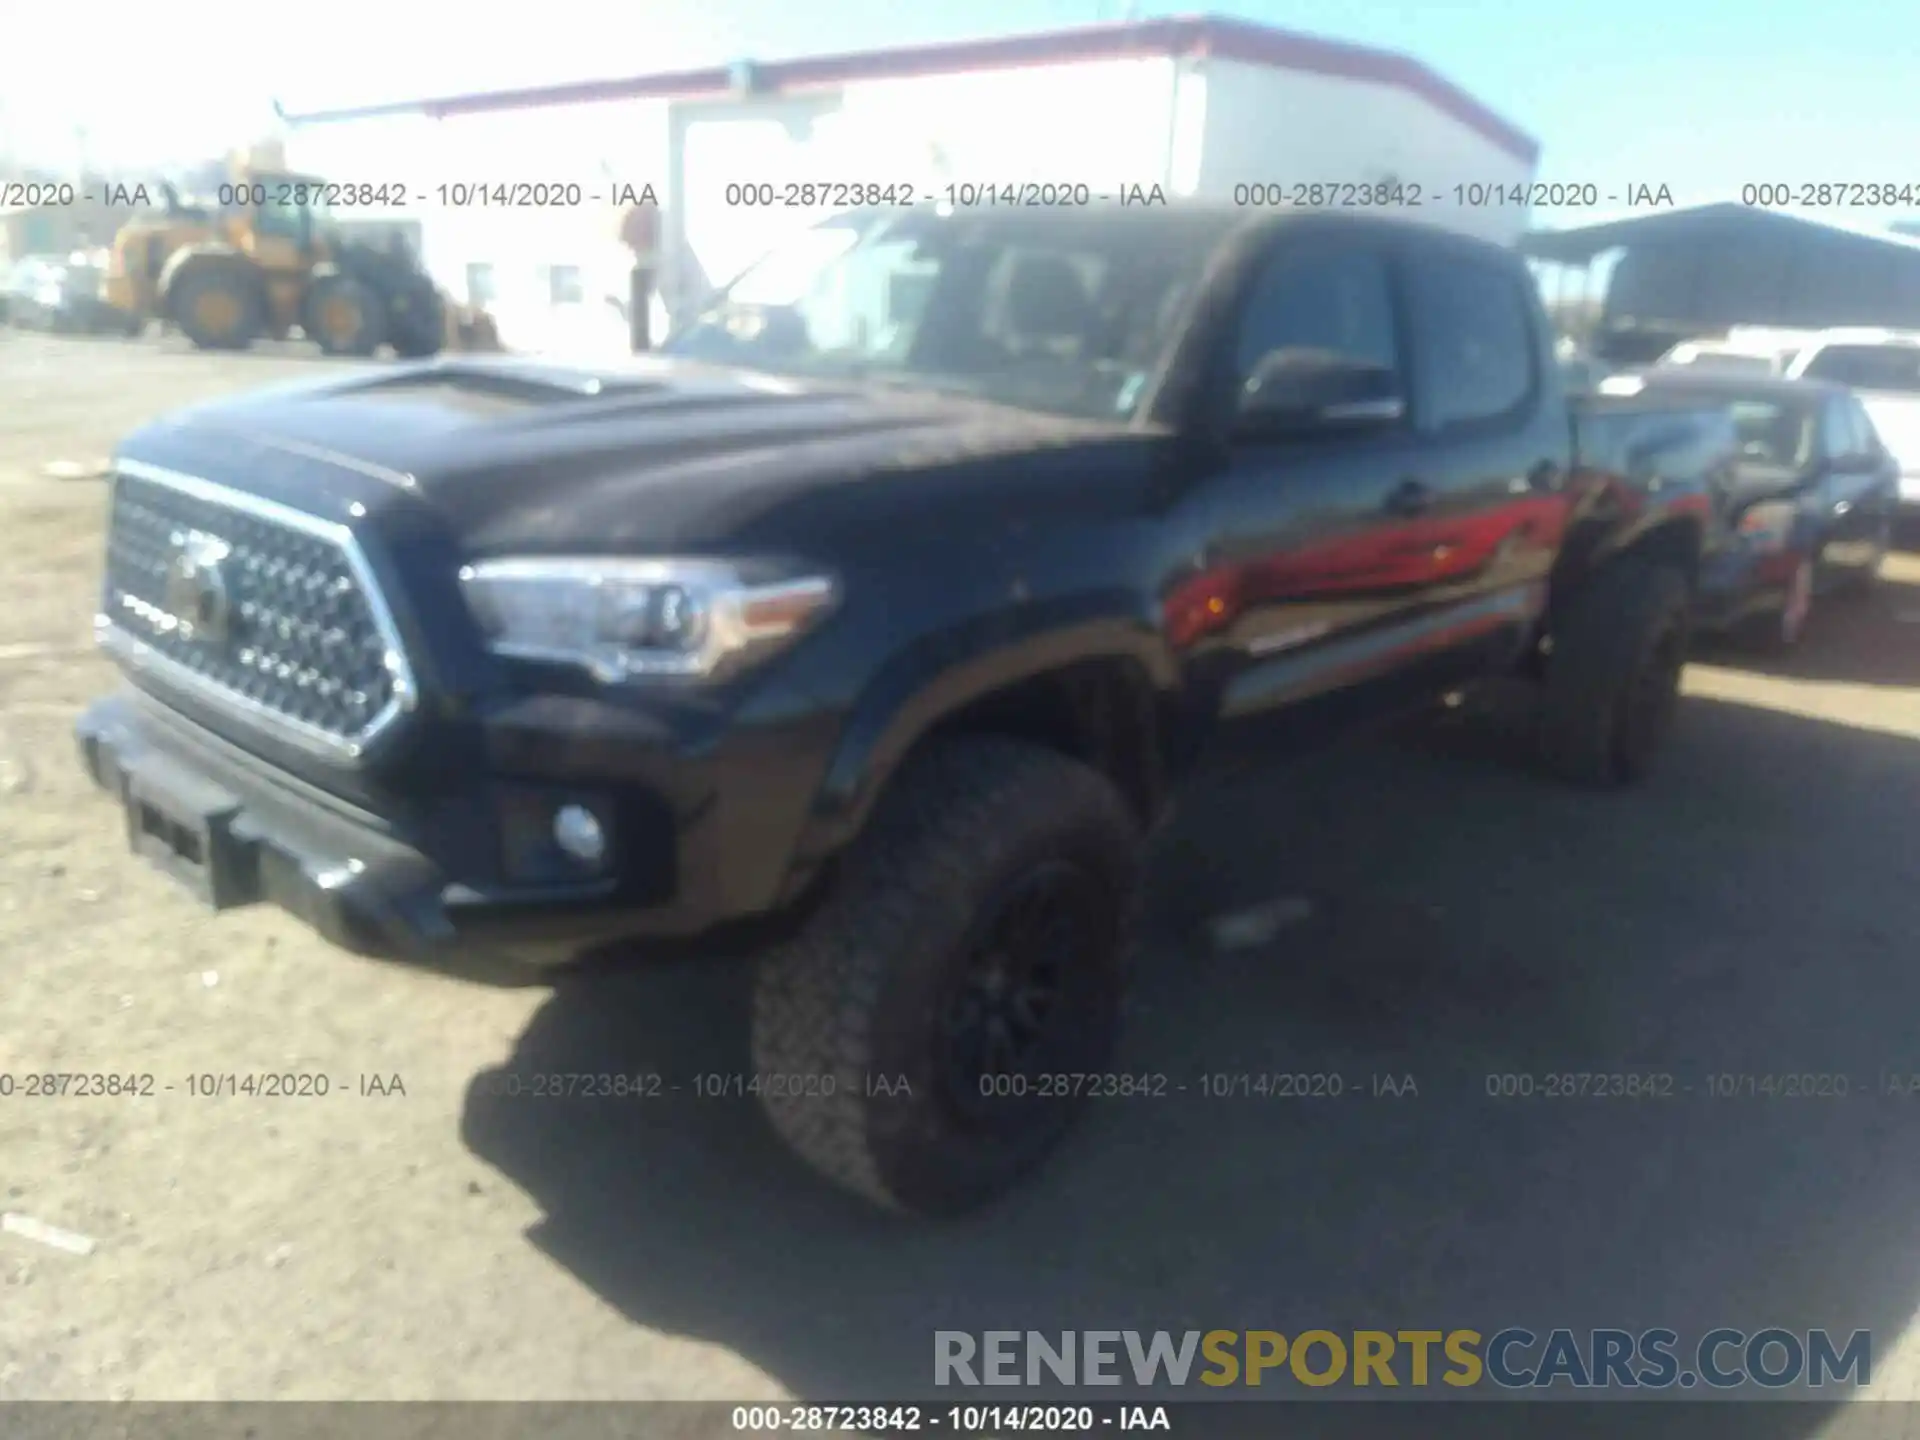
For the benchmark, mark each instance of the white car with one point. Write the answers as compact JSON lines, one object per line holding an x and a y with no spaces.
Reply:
{"x":1882,"y":367}
{"x":1736,"y":356}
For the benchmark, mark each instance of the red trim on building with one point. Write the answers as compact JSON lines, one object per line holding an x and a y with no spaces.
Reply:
{"x":1177,"y":38}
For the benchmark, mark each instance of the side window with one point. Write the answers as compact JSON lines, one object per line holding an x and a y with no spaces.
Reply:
{"x":1836,"y":430}
{"x":1866,"y":440}
{"x":1473,"y":337}
{"x":1322,"y":303}
{"x":281,"y":219}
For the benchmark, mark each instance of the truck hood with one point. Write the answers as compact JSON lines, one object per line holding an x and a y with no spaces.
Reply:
{"x":639,"y":455}
{"x":1897,"y":418}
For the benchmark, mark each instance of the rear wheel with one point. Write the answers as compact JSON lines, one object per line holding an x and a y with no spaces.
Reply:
{"x":1612,"y":684}
{"x":975,"y":951}
{"x":344,"y":316}
{"x":218,"y":307}
{"x":418,"y":326}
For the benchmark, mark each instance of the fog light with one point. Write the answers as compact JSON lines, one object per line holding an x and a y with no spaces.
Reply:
{"x":577,"y":831}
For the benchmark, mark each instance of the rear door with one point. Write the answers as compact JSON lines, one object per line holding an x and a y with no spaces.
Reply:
{"x":1493,"y":428}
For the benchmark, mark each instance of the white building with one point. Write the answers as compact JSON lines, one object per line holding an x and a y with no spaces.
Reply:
{"x":1197,"y":107}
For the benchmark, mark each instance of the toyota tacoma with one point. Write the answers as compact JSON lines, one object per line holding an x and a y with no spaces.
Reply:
{"x":882,"y":614}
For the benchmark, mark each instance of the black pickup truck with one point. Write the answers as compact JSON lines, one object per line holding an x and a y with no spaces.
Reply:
{"x":881,"y":615}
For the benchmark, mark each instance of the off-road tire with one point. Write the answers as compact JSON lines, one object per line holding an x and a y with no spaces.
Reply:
{"x":191,"y":284}
{"x":855,"y":995}
{"x":416,"y":344}
{"x":372,"y":330}
{"x":1612,"y":641}
{"x":419,"y":330}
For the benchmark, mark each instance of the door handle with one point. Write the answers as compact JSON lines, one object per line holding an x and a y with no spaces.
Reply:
{"x":1410,"y":497}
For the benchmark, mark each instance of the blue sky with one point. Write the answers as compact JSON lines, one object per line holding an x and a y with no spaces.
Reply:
{"x":1701,"y":95}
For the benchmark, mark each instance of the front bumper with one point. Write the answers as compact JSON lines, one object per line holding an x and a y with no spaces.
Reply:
{"x":235,"y":831}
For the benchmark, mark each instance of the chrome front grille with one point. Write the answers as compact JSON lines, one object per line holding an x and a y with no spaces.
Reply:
{"x":268,"y":611}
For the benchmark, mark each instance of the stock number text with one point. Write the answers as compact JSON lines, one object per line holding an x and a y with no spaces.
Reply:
{"x":44,"y":1085}
{"x":329,"y":194}
{"x":1330,"y":195}
{"x":1582,"y":1085}
{"x":807,"y":195}
{"x":1836,"y":194}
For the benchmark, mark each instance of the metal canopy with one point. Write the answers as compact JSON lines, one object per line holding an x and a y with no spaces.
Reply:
{"x":1700,"y":271}
{"x":1703,"y":224}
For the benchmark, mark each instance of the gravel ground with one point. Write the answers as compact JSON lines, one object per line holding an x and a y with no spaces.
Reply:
{"x":1450,"y":917}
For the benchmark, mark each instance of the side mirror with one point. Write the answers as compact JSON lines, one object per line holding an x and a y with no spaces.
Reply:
{"x":1296,"y":390}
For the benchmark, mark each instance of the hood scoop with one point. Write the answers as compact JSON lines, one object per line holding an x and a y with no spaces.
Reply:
{"x":501,"y":385}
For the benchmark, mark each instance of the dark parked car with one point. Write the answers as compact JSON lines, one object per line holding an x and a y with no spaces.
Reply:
{"x":1808,"y":509}
{"x":886,"y":611}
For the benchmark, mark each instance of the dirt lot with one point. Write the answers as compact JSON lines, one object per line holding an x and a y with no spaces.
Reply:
{"x":1754,"y":912}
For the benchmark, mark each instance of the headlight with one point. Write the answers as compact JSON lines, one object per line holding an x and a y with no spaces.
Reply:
{"x":695,"y":619}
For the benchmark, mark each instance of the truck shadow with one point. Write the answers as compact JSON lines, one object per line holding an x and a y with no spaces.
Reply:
{"x":1748,"y":913}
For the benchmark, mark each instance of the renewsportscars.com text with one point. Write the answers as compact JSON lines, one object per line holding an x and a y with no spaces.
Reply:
{"x":1514,"y":1358}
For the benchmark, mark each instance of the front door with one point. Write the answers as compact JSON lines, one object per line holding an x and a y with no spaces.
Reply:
{"x":1317,"y":569}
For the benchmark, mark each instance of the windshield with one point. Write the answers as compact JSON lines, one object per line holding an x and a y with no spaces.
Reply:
{"x":1773,"y":434}
{"x":1868,"y":367}
{"x":1064,"y":314}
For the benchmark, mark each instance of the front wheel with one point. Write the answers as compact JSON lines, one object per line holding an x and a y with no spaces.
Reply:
{"x":218,"y":307}
{"x":971,"y":960}
{"x":344,"y":316}
{"x":1612,"y":684}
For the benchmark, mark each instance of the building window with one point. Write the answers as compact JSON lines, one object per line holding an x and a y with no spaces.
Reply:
{"x":480,"y":290}
{"x":565,"y":285}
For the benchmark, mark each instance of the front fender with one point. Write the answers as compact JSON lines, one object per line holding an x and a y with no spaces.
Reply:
{"x":200,"y":251}
{"x":937,"y":676}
